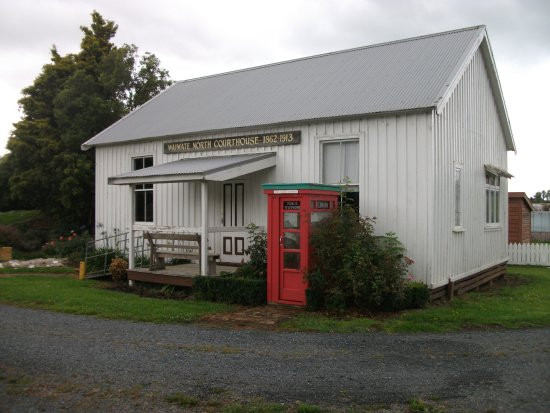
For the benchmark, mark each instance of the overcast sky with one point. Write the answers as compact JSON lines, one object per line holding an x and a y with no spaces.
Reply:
{"x":205,"y":37}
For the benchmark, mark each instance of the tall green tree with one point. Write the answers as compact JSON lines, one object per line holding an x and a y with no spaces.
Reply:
{"x":74,"y":97}
{"x":543,"y":196}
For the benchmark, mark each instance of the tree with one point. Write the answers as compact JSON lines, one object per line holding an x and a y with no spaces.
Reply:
{"x":75,"y":97}
{"x":6,"y":171}
{"x":543,"y":196}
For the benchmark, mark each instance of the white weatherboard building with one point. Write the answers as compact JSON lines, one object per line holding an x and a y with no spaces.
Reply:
{"x":417,"y":127}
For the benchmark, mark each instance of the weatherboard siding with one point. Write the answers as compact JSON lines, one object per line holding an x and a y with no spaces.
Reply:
{"x":394,"y":179}
{"x":468,"y":131}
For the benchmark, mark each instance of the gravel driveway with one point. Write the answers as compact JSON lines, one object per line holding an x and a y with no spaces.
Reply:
{"x":53,"y":362}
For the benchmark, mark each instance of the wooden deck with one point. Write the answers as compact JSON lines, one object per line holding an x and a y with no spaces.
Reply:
{"x":180,"y":275}
{"x":463,"y":285}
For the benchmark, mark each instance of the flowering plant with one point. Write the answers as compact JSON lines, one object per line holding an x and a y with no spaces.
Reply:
{"x":69,"y":245}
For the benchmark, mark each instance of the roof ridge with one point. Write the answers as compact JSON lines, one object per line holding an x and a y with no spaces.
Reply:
{"x":336,"y":52}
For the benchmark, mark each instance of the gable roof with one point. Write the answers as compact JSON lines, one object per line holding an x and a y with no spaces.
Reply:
{"x":521,"y":195}
{"x":412,"y":74}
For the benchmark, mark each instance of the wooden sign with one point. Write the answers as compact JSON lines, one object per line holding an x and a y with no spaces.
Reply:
{"x":237,"y":142}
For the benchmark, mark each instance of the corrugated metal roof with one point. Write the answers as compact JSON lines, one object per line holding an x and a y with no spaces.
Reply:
{"x":402,"y":75}
{"x":197,"y":168}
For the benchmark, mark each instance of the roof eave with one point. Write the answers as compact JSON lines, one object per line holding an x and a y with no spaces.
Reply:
{"x":482,"y":40}
{"x":258,"y":162}
{"x":86,"y":146}
{"x":499,"y":98}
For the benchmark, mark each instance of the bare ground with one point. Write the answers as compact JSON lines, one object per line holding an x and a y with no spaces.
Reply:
{"x":60,"y":362}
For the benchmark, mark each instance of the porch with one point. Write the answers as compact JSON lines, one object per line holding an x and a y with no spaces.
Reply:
{"x":202,"y":171}
{"x":180,"y":275}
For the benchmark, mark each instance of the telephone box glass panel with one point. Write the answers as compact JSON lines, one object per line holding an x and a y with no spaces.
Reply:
{"x":292,"y":240}
{"x":291,"y":260}
{"x":291,"y":220}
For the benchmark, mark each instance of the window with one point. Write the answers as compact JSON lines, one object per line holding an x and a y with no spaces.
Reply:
{"x":341,"y":162}
{"x":492,"y":198}
{"x":143,"y":193}
{"x":233,"y":205}
{"x":341,"y":166}
{"x":458,"y":196}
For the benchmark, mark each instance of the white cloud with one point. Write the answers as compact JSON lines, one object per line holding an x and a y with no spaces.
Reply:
{"x":199,"y":38}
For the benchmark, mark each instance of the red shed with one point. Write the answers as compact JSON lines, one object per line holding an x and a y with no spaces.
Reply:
{"x":519,"y":218}
{"x":292,"y":210}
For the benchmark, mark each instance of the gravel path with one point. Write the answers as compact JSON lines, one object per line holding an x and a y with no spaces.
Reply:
{"x":52,"y":362}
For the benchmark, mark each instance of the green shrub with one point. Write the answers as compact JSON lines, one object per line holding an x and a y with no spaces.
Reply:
{"x":68,"y":245}
{"x":228,"y":289}
{"x":247,"y":271}
{"x":352,"y":267}
{"x":257,"y":251}
{"x":99,"y":259}
{"x":25,"y":231}
{"x":24,"y":255}
{"x":256,"y":267}
{"x":142,"y":260}
{"x":417,"y":294}
{"x":10,"y":236}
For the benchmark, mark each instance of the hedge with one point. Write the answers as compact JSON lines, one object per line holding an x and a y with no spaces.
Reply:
{"x":230,"y":290}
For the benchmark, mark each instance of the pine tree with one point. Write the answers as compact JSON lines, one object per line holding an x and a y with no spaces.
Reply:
{"x":74,"y":97}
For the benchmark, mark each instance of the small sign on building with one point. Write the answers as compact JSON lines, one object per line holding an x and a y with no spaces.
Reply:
{"x":237,"y":142}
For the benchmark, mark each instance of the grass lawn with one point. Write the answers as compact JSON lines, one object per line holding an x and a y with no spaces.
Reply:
{"x":17,"y":217}
{"x":39,"y":270}
{"x":68,"y":295}
{"x":524,"y":305}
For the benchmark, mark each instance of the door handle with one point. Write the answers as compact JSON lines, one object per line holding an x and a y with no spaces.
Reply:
{"x":281,"y":240}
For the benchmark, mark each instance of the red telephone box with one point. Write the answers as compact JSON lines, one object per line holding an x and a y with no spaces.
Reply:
{"x":292,"y":210}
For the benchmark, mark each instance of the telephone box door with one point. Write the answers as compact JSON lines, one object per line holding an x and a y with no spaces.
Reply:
{"x":292,"y":250}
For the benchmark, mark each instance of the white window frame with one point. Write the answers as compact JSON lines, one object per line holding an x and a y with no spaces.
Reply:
{"x":322,"y":142}
{"x":493,"y":204}
{"x":458,"y":203}
{"x":135,"y":190}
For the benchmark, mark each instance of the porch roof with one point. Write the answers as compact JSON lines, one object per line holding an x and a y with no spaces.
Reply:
{"x":498,"y":171}
{"x":215,"y":168}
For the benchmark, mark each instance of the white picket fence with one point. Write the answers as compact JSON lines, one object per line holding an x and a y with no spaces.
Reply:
{"x":529,"y":254}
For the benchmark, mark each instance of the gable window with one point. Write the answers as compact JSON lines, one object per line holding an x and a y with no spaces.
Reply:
{"x":341,"y":166}
{"x":143,"y":193}
{"x":492,"y":198}
{"x":458,"y":197}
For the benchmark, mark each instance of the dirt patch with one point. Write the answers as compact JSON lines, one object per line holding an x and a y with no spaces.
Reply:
{"x":266,"y":317}
{"x":508,"y":280}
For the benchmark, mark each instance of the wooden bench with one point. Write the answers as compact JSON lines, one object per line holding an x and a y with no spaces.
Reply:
{"x":181,"y":246}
